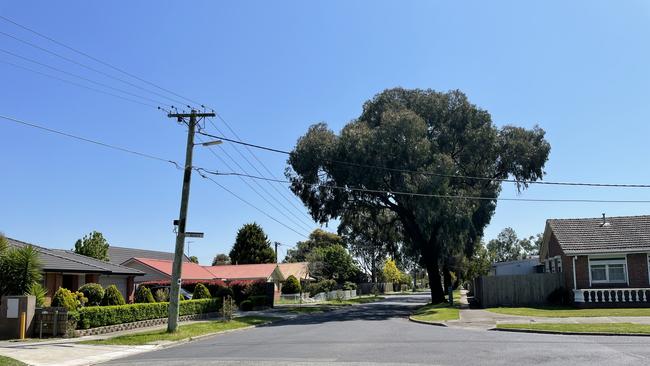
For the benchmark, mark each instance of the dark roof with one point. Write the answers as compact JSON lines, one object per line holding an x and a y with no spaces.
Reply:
{"x":60,"y":260}
{"x":619,"y":234}
{"x":119,"y":255}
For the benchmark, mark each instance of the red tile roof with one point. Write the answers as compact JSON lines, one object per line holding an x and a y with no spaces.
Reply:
{"x":190,"y":271}
{"x":242,"y":271}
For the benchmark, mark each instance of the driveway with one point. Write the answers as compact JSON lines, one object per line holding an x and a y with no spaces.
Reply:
{"x":379,"y":333}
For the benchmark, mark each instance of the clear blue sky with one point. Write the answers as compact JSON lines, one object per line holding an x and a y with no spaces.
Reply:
{"x":578,"y":69}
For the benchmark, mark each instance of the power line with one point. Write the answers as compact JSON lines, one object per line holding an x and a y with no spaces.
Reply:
{"x":298,"y":224}
{"x":251,"y":205}
{"x":93,"y":58}
{"x":260,"y":173}
{"x":76,"y":84}
{"x":87,"y":67}
{"x":133,"y":152}
{"x":414,"y":194}
{"x":81,"y":77}
{"x":611,"y":185}
{"x":104,"y":144}
{"x":259,"y":162}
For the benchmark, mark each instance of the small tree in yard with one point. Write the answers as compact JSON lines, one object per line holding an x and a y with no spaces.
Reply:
{"x":391,"y":273}
{"x":221,"y":259}
{"x":20,"y":269}
{"x":143,"y":295}
{"x":94,"y":292}
{"x":93,"y":245}
{"x":201,"y":292}
{"x":252,"y":246}
{"x":291,"y":285}
{"x":194,"y":259}
{"x":112,"y":296}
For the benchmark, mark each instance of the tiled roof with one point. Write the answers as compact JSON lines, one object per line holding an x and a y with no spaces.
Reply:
{"x":300,"y":270}
{"x":119,"y":255}
{"x":59,"y":260}
{"x":619,"y":234}
{"x":190,"y":271}
{"x":243,"y":271}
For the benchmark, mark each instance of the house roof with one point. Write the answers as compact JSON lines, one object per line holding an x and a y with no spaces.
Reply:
{"x":60,"y":260}
{"x":190,"y":271}
{"x":532,"y":259}
{"x":243,"y":271}
{"x":119,"y":255}
{"x":300,"y":270}
{"x":619,"y":234}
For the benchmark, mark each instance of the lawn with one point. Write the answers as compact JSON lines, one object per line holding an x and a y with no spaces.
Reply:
{"x":184,"y":331}
{"x":565,"y":312}
{"x":6,"y":361}
{"x":439,"y":312}
{"x":605,"y":328}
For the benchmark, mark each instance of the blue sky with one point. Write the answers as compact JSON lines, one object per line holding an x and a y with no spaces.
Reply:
{"x":578,"y":69}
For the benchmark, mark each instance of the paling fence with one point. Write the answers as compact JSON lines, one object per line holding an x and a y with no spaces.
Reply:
{"x":516,"y":290}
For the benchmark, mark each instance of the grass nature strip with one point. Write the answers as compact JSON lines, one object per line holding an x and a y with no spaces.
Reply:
{"x":566,"y":312}
{"x":184,"y":331}
{"x":437,"y":313}
{"x":7,"y":361}
{"x":600,"y":328}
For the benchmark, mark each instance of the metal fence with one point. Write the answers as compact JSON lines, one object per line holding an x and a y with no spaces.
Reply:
{"x":516,"y":290}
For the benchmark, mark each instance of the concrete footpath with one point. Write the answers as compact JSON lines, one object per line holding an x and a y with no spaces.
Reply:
{"x":483,"y":319}
{"x":69,"y":352}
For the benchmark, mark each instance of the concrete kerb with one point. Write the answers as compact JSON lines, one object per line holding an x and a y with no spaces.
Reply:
{"x":569,"y":333}
{"x":438,"y":324}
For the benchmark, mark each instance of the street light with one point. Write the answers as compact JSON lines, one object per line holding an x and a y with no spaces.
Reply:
{"x":211,"y":143}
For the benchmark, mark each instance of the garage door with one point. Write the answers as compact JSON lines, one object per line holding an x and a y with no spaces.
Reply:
{"x":119,"y":281}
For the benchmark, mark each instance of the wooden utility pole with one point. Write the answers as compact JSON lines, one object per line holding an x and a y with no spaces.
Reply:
{"x":172,"y":322}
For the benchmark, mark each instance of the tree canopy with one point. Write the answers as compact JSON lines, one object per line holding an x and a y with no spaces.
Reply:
{"x":417,"y":142}
{"x":318,"y":238}
{"x":252,"y":246}
{"x":371,"y":237}
{"x":221,"y":259}
{"x":508,"y":247}
{"x":332,"y":262}
{"x":194,"y":259}
{"x":93,"y":245}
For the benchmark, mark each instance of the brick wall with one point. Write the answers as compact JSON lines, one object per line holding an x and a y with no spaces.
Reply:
{"x":637,"y":269}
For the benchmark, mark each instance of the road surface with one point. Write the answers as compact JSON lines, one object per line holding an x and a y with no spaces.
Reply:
{"x":380,"y":333}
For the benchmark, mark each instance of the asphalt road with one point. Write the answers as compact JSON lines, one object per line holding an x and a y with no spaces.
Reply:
{"x":379,"y":333}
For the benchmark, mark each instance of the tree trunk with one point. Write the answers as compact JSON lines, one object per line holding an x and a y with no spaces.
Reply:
{"x":373,"y":272}
{"x":446,"y":275}
{"x":437,"y":294}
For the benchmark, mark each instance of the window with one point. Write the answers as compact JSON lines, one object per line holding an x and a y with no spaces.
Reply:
{"x":608,"y":270}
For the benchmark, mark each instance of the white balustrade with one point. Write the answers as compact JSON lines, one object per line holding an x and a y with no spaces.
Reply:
{"x":612,"y":295}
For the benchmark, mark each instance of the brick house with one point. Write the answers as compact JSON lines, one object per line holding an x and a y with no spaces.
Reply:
{"x":67,"y":269}
{"x":604,"y":260}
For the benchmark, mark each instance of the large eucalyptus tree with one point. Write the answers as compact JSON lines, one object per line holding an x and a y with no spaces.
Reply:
{"x":417,"y":142}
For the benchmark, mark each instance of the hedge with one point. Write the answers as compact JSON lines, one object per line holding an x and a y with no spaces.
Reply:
{"x":100,"y":316}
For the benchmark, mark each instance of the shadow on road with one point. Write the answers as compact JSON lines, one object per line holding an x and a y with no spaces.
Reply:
{"x":390,"y":307}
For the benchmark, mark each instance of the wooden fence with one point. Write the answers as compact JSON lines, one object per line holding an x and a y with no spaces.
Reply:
{"x":516,"y":290}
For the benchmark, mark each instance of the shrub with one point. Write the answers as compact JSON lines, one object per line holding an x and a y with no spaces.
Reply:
{"x":259,"y":300}
{"x":143,"y":295}
{"x":224,"y":292}
{"x":100,"y":316}
{"x":162,"y":295}
{"x":291,"y":285}
{"x":246,"y":305}
{"x":38,"y":292}
{"x":200,"y":292}
{"x":347,"y":285}
{"x":112,"y":296}
{"x":64,"y":298}
{"x":321,"y":286}
{"x":94,"y":292}
{"x":81,"y":299}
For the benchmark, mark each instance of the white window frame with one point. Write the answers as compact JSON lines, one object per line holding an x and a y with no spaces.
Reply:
{"x":558,"y":264}
{"x":607,"y":261}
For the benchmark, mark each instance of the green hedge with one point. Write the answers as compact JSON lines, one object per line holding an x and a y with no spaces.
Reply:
{"x":99,"y":316}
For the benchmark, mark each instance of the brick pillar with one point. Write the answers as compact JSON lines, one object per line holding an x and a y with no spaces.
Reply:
{"x":130,"y":289}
